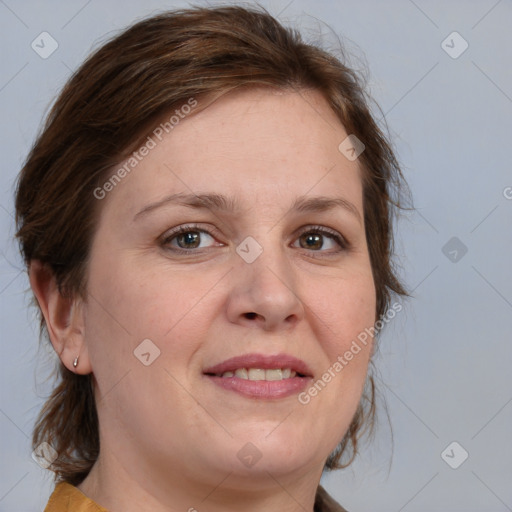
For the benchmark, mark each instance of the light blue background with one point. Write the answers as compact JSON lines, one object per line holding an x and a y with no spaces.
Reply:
{"x":445,"y":361}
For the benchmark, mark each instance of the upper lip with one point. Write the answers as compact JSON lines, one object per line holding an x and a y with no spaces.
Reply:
{"x":262,"y":361}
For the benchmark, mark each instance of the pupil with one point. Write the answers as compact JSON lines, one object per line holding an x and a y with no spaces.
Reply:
{"x":314,"y":238}
{"x":190,"y":238}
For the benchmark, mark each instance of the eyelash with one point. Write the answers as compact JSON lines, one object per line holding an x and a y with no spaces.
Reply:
{"x":341,"y":241}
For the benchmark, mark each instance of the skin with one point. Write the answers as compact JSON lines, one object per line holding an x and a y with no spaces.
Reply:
{"x":169,"y":437}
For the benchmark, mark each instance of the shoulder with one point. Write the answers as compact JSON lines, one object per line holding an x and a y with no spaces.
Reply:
{"x":325,"y":503}
{"x":67,"y":498}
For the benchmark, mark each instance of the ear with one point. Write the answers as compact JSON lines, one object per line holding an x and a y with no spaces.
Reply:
{"x":64,"y":318}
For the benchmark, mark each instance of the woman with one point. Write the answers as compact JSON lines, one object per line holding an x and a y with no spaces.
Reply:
{"x":206,"y":222}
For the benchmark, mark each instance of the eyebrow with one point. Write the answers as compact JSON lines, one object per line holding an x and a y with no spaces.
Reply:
{"x":232,"y":205}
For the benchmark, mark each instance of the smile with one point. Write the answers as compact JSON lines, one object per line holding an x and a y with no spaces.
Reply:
{"x":261,"y":376}
{"x":260,"y":373}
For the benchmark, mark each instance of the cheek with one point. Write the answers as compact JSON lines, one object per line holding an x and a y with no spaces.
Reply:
{"x":348,"y":309}
{"x":332,"y":398}
{"x":347,"y":314}
{"x":129,"y":303}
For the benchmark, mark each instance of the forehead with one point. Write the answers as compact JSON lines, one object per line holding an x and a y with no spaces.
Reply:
{"x":265,"y":146}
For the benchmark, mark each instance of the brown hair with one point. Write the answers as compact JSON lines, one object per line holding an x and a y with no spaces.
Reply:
{"x":106,"y":110}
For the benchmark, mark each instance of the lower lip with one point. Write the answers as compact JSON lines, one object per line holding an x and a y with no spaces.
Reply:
{"x":263,"y":389}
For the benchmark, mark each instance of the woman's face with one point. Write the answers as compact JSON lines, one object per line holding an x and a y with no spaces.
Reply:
{"x":259,"y":276}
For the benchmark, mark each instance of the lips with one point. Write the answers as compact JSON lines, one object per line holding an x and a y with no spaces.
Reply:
{"x":260,"y":376}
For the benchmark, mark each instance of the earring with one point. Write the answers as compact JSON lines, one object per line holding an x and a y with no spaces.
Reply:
{"x":75,"y":362}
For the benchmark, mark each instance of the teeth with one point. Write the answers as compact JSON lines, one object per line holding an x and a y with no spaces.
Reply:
{"x":256,"y":374}
{"x":241,"y":373}
{"x":261,"y":374}
{"x":274,"y":374}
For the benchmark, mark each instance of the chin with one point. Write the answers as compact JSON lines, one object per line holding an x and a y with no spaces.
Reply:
{"x":277,"y":453}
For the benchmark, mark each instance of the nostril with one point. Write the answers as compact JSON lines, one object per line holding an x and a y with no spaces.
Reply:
{"x":251,"y":315}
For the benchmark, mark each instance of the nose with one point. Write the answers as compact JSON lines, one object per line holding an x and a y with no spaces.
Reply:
{"x":265,"y":293}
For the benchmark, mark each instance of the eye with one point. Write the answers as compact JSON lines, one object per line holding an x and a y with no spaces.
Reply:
{"x":186,"y":238}
{"x":314,"y":238}
{"x":190,"y":238}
